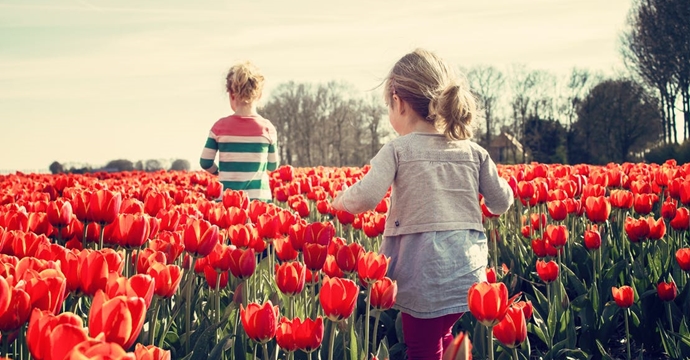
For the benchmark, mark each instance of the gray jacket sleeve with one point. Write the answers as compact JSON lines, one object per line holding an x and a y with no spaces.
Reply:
{"x":369,"y":191}
{"x":498,"y":196}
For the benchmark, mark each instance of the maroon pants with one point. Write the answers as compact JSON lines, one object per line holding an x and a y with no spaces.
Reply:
{"x":426,"y":339}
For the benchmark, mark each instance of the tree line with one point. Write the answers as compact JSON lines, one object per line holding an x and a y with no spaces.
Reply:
{"x":122,"y":165}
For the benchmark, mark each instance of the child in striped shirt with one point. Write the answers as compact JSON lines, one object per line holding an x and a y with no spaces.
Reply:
{"x":246,"y":143}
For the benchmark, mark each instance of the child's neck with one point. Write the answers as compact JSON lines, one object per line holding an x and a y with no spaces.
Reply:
{"x":246,"y":110}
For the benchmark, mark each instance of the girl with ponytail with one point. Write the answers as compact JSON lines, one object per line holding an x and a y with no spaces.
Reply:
{"x":434,"y":233}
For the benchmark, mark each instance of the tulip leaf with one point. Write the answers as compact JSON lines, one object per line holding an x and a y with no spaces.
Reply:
{"x":201,"y":344}
{"x":222,"y":345}
{"x":382,"y":352}
{"x":397,"y":351}
{"x":398,"y":327}
{"x":354,"y":343}
{"x":572,"y":354}
{"x":574,"y":281}
{"x":604,"y":354}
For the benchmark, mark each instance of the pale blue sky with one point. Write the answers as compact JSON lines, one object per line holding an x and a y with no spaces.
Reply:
{"x":92,"y":81}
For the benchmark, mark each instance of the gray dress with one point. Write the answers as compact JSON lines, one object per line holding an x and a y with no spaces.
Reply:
{"x":435,"y":270}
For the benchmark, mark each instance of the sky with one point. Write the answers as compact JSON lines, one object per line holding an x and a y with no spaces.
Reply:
{"x":92,"y":81}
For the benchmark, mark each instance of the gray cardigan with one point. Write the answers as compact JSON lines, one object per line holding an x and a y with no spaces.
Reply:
{"x":435,"y":185}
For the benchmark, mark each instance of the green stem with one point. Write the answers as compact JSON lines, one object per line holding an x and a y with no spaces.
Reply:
{"x":376,"y":329}
{"x":188,"y":305}
{"x":83,"y":238}
{"x":491,"y":343}
{"x":136,"y":261}
{"x":366,"y":322}
{"x":670,"y":316}
{"x":627,"y":335}
{"x":291,"y":309}
{"x":5,"y":344}
{"x":331,"y":341}
{"x":265,"y":347}
{"x":128,"y":261}
{"x":100,"y":237}
{"x":312,"y":292}
{"x":154,"y":320}
{"x":515,"y":353}
{"x":219,"y":331}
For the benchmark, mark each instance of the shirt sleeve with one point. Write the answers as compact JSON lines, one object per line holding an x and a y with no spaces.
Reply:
{"x":369,"y":191}
{"x":273,"y":160}
{"x":208,"y":155}
{"x":498,"y":197}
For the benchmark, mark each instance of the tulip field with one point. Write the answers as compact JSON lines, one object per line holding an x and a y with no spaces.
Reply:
{"x":591,"y":262}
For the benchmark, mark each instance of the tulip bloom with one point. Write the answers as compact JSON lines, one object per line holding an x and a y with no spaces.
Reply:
{"x":166,"y":278}
{"x":681,"y":220}
{"x":346,"y":257}
{"x":557,"y":210}
{"x":308,"y":334}
{"x":104,"y":206}
{"x":547,"y":271}
{"x":459,"y":349}
{"x":624,"y":296}
{"x":338,"y":298}
{"x":139,"y":285}
{"x":491,"y":275}
{"x":592,"y":239}
{"x":557,"y":235}
{"x":200,"y":237}
{"x":683,"y":259}
{"x":150,"y":352}
{"x":597,"y":208}
{"x":134,"y":230}
{"x":330,"y":267}
{"x":46,"y":289}
{"x":59,"y":213}
{"x":383,"y":294}
{"x":372,"y":266}
{"x":667,"y":291}
{"x":290,"y":277}
{"x":657,"y":228}
{"x":17,"y":312}
{"x":488,"y":302}
{"x":284,"y":249}
{"x":285,"y":335}
{"x":622,"y":199}
{"x":260,"y":322}
{"x":636,"y":229}
{"x":52,"y":336}
{"x":242,"y":263}
{"x":98,"y":349}
{"x":512,"y":330}
{"x":120,"y":319}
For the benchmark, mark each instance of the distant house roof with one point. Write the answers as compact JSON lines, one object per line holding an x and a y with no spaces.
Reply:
{"x":504,"y":140}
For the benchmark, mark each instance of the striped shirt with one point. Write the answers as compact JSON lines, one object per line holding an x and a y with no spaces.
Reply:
{"x":247,"y":148}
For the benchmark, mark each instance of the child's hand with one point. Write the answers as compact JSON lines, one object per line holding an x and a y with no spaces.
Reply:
{"x":337,"y":203}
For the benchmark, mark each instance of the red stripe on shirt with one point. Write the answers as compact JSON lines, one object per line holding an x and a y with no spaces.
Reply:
{"x":234,"y":125}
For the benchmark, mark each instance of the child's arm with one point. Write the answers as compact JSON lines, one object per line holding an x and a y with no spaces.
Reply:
{"x":273,"y":160}
{"x":208,"y":155}
{"x":369,"y":191}
{"x":497,"y":193}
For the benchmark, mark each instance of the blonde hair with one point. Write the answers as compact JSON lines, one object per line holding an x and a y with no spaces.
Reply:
{"x":245,"y":81}
{"x":434,"y":91}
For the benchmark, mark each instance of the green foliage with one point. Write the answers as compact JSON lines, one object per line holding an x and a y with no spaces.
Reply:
{"x":662,"y":153}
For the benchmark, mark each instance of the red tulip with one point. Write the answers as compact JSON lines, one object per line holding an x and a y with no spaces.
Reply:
{"x":214,"y":190}
{"x":284,"y":249}
{"x":592,"y":238}
{"x":242,"y":263}
{"x":139,"y":285}
{"x":512,"y":330}
{"x":372,"y":267}
{"x":383,"y":294}
{"x":488,"y":302}
{"x":667,"y":291}
{"x":290,"y":277}
{"x":150,"y":352}
{"x":338,"y":298}
{"x":668,"y":208}
{"x":330,"y":267}
{"x":314,"y":255}
{"x":98,"y":349}
{"x":459,"y":349}
{"x":285,"y":335}
{"x":59,"y":213}
{"x":17,"y":312}
{"x":636,"y":229}
{"x":347,"y":257}
{"x":657,"y":228}
{"x":644,"y":203}
{"x":624,"y":296}
{"x":597,"y":208}
{"x":681,"y":221}
{"x":491,"y":275}
{"x":134,"y":230}
{"x":547,"y":271}
{"x":212,"y":278}
{"x":52,"y":336}
{"x":308,"y":334}
{"x":200,"y":237}
{"x":104,"y":206}
{"x":120,"y":319}
{"x":238,"y":199}
{"x":683,"y":259}
{"x":94,"y":270}
{"x":170,"y":243}
{"x":557,"y":210}
{"x":527,"y":308}
{"x":622,"y":199}
{"x":260,"y":322}
{"x":166,"y":279}
{"x":155,"y":202}
{"x":46,"y":289}
{"x":557,"y":235}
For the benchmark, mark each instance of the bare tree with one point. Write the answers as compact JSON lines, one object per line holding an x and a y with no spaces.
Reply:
{"x":487,"y":83}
